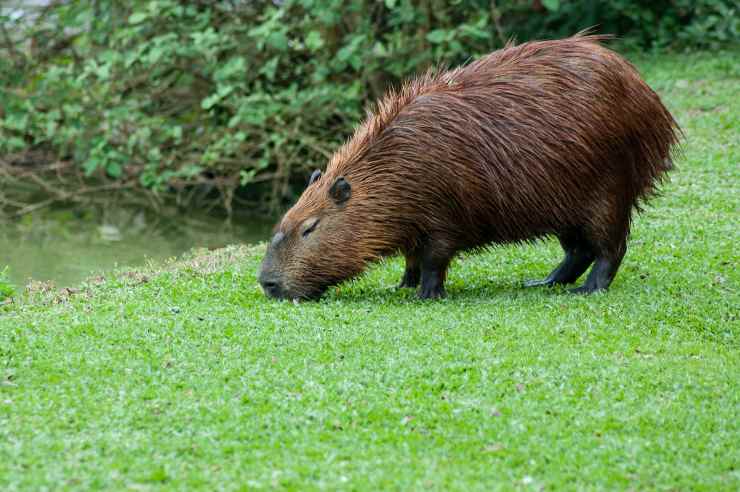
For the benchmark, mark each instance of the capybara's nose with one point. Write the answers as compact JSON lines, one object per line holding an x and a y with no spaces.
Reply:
{"x":271,"y":286}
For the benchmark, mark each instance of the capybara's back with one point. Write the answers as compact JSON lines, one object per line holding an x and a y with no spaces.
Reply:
{"x":546,"y":138}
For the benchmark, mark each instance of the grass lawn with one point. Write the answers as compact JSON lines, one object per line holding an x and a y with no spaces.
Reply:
{"x":184,"y":376}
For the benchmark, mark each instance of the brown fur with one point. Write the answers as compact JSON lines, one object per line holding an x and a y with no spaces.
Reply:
{"x":545,"y":138}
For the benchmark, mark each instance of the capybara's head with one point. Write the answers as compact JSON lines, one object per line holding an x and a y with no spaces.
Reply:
{"x":313,"y":246}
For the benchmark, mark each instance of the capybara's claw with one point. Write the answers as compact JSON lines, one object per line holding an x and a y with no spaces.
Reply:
{"x":432,"y":293}
{"x":545,"y":282}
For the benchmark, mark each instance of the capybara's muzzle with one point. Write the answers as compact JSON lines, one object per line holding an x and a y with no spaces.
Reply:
{"x":272,"y":285}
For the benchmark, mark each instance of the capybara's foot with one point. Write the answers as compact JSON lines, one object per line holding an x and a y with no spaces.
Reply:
{"x":578,"y":258}
{"x":601,"y":275}
{"x":410,"y":279}
{"x":407,"y":284}
{"x":585,"y":290}
{"x":433,"y":275}
{"x":432,"y":292}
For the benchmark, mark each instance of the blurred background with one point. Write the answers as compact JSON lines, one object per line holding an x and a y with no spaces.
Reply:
{"x":140,"y":129}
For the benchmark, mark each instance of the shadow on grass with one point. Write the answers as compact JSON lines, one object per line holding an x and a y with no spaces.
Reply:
{"x":458,"y":292}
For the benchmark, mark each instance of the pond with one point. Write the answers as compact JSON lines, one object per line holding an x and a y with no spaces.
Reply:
{"x":67,"y":246}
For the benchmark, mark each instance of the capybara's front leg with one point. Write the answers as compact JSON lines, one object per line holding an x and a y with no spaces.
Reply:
{"x":434,"y":263}
{"x":412,"y":274}
{"x":432,"y":284}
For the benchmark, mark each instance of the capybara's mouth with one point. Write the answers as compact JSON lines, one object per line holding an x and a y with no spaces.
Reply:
{"x":313,"y":295}
{"x":295,"y":296}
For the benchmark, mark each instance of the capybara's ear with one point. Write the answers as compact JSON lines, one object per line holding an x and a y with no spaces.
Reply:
{"x":314,"y":177}
{"x":341,"y":190}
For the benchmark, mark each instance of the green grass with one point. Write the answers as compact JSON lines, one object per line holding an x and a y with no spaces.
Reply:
{"x":184,"y":376}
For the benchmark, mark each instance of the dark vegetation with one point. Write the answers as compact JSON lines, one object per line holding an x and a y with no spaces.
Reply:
{"x":230,"y":104}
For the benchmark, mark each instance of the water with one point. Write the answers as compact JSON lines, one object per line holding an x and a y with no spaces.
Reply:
{"x":68,"y":246}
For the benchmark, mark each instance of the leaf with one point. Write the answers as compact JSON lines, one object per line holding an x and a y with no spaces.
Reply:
{"x":210,"y":101}
{"x":156,"y":53}
{"x":234,"y":120}
{"x":51,"y":128}
{"x":114,"y":170}
{"x":344,"y":53}
{"x":15,"y":143}
{"x":314,"y":41}
{"x":245,"y":177}
{"x":90,"y":165}
{"x":379,"y":49}
{"x":270,"y":68}
{"x":137,"y":17}
{"x":234,"y":67}
{"x":278,"y":40}
{"x":551,"y":5}
{"x":224,"y":90}
{"x":437,"y":36}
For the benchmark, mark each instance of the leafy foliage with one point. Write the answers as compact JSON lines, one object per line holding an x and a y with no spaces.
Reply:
{"x":242,"y":99}
{"x":6,"y":288}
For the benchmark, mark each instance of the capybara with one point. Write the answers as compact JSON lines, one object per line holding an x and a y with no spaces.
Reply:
{"x":545,"y":138}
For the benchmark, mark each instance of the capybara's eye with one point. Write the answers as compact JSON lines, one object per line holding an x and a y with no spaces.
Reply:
{"x":311,"y":225}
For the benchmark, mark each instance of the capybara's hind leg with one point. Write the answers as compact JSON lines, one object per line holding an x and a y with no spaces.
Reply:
{"x":434,"y":262}
{"x":412,"y":274}
{"x":601,"y":275}
{"x":609,"y":254}
{"x":578,"y":256}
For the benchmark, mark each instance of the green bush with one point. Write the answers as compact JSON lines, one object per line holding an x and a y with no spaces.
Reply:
{"x":655,"y":24}
{"x":6,"y":288}
{"x":220,"y":101}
